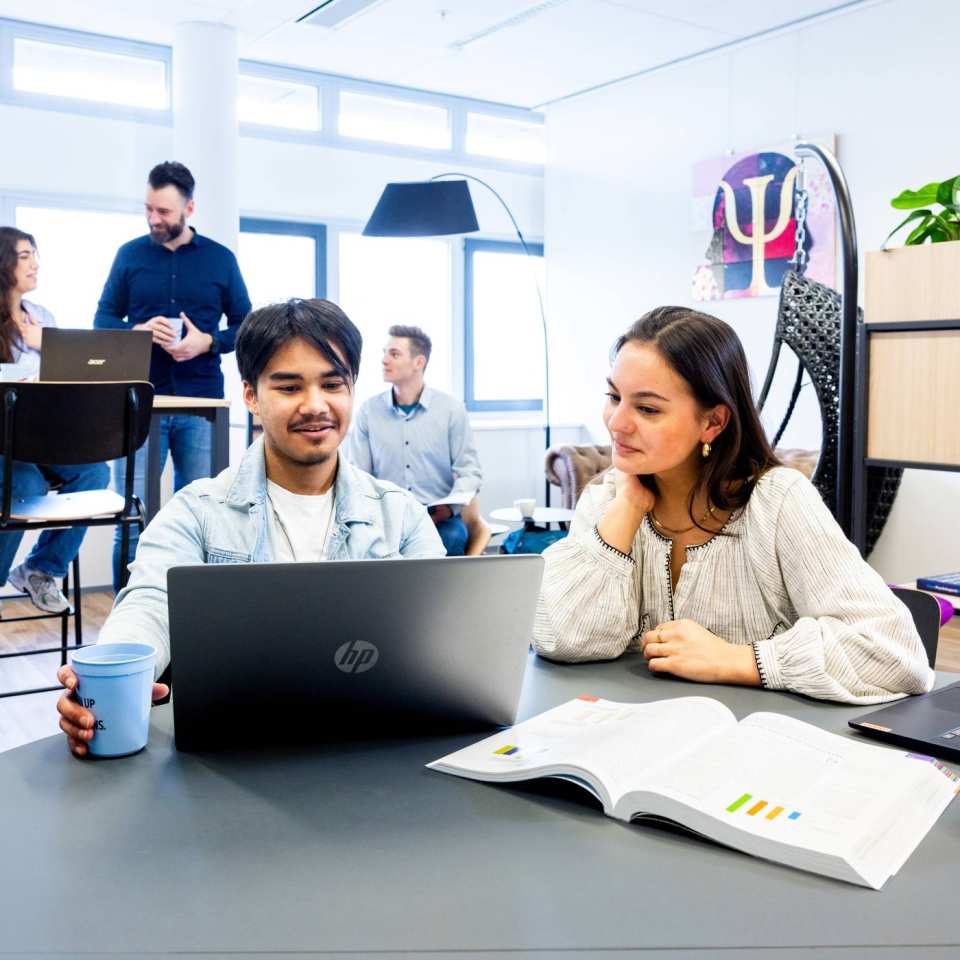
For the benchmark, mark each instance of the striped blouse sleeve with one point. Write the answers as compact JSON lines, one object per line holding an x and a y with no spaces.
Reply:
{"x":853,"y":641}
{"x":589,"y":607}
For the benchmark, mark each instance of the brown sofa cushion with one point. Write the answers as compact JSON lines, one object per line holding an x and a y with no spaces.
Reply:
{"x":803,"y":460}
{"x":571,"y":468}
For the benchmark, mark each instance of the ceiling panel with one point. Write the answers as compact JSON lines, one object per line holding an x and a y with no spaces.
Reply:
{"x":570,"y":47}
{"x":735,"y":18}
{"x":523,"y":52}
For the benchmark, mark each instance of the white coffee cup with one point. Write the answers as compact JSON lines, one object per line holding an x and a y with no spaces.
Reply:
{"x":526,"y":506}
{"x":177,"y":324}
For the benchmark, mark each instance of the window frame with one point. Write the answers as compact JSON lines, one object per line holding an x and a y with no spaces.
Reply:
{"x":260,"y":71}
{"x":11,"y":30}
{"x":328,"y":85}
{"x":295,"y":228}
{"x":470,"y":247}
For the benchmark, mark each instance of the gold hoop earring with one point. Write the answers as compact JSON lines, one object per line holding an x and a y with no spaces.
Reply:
{"x":706,"y":450}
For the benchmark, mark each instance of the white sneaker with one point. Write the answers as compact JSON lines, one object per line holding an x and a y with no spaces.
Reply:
{"x":40,"y":587}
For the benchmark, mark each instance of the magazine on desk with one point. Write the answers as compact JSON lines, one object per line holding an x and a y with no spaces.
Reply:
{"x":769,"y":785}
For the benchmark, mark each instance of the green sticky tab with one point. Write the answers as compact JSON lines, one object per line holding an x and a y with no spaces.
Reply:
{"x":739,"y":802}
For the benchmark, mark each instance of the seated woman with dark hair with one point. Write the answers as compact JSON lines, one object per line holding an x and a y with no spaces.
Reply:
{"x":698,"y":548}
{"x":21,"y":332}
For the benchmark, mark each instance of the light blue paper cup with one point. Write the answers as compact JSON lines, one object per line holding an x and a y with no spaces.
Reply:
{"x":114,"y":682}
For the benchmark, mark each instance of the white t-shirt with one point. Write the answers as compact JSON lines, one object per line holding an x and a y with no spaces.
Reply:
{"x":299,"y":524}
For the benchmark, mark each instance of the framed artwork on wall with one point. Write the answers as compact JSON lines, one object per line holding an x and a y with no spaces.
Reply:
{"x":744,"y":220}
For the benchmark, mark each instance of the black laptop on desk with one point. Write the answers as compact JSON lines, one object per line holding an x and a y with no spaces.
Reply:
{"x":928,"y":724}
{"x":285,"y":652}
{"x":92,"y":355}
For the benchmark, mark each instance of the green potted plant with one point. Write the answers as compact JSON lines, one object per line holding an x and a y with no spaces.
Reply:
{"x":936,"y":226}
{"x":921,"y":279}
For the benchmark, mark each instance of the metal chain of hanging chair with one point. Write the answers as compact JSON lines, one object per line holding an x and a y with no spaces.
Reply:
{"x":809,"y":321}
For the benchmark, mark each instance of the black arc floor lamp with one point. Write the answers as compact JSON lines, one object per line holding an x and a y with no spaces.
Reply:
{"x":440,"y":207}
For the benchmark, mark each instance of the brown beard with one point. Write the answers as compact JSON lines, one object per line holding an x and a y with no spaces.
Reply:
{"x":168,"y":233}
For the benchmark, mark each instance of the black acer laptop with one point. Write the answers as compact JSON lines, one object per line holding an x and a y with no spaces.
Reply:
{"x":929,"y":724}
{"x":90,"y":355}
{"x":292,"y":652}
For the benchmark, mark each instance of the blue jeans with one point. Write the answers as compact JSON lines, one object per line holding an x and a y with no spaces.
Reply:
{"x":187,"y":439}
{"x":453,"y":533}
{"x":55,"y":549}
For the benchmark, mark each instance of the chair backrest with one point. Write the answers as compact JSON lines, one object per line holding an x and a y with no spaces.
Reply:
{"x":572,"y":467}
{"x":73,"y":422}
{"x":926,"y":616}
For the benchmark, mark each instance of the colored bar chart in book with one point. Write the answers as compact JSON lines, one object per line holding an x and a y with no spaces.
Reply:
{"x":760,"y":809}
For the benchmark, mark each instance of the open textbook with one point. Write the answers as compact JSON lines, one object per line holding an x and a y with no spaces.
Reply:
{"x":769,"y":785}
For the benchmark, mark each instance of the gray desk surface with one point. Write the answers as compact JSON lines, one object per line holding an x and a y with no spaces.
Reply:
{"x":359,"y":850}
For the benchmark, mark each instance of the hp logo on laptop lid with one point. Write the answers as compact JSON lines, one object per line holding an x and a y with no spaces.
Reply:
{"x":357,"y":656}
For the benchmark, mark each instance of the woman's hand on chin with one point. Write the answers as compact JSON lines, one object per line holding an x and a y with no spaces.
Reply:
{"x":688,"y":650}
{"x":632,"y":493}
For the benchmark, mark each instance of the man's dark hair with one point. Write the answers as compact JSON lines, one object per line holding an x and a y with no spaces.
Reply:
{"x":319,"y":322}
{"x":172,"y":174}
{"x":420,"y":344}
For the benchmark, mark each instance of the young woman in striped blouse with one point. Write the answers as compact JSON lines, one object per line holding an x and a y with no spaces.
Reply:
{"x":700,"y":550}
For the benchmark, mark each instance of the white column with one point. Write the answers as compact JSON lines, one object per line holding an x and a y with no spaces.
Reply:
{"x":205,"y":133}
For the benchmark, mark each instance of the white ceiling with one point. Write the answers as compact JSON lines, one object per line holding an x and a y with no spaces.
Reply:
{"x":528,"y":52}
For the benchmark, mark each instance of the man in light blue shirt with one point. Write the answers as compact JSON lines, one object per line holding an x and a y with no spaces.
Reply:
{"x":419,"y":438}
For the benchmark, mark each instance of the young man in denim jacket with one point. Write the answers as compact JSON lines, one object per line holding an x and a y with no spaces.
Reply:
{"x":292,"y":497}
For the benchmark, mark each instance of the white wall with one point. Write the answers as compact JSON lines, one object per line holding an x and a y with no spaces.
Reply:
{"x":618,"y":187}
{"x":106,"y":161}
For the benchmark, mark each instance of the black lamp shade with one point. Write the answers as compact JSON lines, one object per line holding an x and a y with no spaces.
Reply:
{"x":423,"y":209}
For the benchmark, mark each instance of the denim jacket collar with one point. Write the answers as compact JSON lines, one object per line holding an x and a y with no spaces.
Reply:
{"x":249,"y":487}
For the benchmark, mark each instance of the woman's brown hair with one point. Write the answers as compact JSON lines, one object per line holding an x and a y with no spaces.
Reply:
{"x":708,"y":354}
{"x":9,"y":331}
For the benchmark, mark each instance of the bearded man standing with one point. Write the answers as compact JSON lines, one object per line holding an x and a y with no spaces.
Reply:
{"x":178,"y":285}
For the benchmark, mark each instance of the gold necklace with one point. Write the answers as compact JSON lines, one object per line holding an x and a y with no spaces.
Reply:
{"x":667,"y":529}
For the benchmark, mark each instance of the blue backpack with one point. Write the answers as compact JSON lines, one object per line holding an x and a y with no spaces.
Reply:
{"x":533,"y":540}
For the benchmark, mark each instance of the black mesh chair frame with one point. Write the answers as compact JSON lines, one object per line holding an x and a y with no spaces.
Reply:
{"x":808,"y":322}
{"x":97,"y":422}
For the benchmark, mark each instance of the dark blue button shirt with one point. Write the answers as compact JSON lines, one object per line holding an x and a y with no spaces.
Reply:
{"x":202,"y":279}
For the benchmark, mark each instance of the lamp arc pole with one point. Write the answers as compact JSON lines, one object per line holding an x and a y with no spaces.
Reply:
{"x":543,"y":315}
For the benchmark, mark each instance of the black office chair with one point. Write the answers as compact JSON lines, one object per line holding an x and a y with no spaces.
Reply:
{"x":926,"y":617}
{"x":94,"y":423}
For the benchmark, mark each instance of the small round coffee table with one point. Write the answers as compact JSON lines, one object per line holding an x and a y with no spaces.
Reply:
{"x":541,"y":515}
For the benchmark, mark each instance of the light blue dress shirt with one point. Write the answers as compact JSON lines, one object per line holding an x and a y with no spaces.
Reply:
{"x":429,"y":452}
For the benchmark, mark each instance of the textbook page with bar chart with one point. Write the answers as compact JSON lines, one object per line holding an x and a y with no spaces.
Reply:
{"x":770,"y":786}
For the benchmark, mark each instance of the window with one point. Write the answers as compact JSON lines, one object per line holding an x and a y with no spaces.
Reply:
{"x":82,"y":73}
{"x":505,"y":139}
{"x":76,"y":249}
{"x":278,"y":260}
{"x":278,"y":103}
{"x":503,"y":329}
{"x":394,"y":121}
{"x":385,"y":281}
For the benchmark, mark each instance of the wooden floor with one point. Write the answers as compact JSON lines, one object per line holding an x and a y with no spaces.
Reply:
{"x":23,"y":719}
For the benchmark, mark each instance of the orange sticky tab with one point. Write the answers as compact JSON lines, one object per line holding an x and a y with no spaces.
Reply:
{"x":588,"y":698}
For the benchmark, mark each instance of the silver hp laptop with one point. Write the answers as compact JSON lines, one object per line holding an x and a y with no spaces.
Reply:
{"x":85,"y":355}
{"x":328,"y":651}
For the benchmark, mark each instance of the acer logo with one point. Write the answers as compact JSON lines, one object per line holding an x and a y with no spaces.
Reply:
{"x":94,"y":362}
